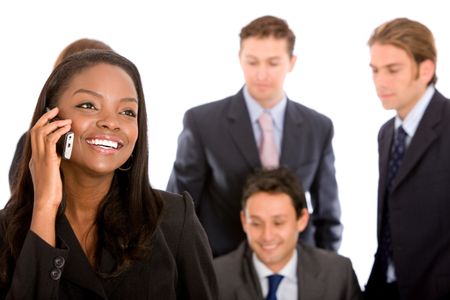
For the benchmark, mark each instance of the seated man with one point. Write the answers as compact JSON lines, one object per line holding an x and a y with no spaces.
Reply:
{"x":272,"y":263}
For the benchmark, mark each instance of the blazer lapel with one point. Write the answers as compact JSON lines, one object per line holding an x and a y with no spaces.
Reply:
{"x":250,"y":287}
{"x":242,"y":293}
{"x":292,"y":135}
{"x":241,"y":130}
{"x":384,"y":149}
{"x":309,"y":285}
{"x":77,"y":268}
{"x":422,"y":139}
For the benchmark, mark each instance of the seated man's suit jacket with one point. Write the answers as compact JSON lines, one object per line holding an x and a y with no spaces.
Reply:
{"x":322,"y":275}
{"x":217,"y":150}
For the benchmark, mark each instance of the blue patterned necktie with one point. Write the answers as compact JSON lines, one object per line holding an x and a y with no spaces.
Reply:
{"x":274,"y":282}
{"x":395,"y":159}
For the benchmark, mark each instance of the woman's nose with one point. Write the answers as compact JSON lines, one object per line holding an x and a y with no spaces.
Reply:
{"x":108,"y":121}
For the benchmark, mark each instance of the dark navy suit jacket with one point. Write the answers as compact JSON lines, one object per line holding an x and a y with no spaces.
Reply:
{"x":419,"y":205}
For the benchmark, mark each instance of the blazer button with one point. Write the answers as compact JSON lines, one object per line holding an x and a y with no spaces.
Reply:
{"x":59,"y":262}
{"x":55,"y":274}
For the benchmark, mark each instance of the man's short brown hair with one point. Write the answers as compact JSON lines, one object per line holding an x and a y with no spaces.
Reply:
{"x":269,"y":26}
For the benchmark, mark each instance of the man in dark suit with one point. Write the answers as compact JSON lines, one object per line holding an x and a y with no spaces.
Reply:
{"x":220,"y":143}
{"x":271,"y":264}
{"x":413,"y":256}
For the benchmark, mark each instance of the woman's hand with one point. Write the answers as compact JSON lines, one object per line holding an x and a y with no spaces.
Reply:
{"x":44,"y":168}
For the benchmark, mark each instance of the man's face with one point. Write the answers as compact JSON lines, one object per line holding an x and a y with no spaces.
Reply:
{"x":265,"y":63}
{"x":272,"y":227}
{"x":400,"y":82}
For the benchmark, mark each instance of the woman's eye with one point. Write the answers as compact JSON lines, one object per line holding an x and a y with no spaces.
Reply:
{"x":86,"y":105}
{"x":130,"y":113}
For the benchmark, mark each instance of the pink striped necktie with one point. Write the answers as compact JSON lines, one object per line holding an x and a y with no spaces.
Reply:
{"x":267,"y":150}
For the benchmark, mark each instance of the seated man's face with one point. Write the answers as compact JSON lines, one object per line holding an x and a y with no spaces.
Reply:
{"x":272,"y":227}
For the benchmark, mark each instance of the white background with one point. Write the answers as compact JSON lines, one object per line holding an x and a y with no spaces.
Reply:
{"x":187,"y":53}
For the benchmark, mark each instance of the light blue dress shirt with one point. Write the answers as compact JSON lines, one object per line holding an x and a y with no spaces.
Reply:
{"x":277,"y":112}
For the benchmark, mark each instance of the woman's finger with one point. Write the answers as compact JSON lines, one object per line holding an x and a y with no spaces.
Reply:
{"x":44,"y":134}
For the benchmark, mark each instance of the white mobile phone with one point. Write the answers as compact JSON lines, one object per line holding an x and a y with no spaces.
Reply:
{"x":65,"y":145}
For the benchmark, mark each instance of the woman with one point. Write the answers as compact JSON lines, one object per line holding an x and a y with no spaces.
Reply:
{"x":91,"y":227}
{"x":72,"y":48}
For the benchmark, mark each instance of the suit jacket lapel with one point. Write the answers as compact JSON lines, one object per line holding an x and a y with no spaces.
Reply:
{"x":384,"y":149}
{"x":250,"y":288}
{"x":241,"y":130}
{"x":77,"y":268}
{"x":422,"y":139}
{"x":292,"y":135}
{"x":309,"y":285}
{"x":242,"y":293}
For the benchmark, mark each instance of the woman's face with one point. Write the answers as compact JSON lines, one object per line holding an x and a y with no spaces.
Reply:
{"x":103,"y":104}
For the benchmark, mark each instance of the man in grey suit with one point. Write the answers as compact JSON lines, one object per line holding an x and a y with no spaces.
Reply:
{"x":271,"y":264}
{"x":220,"y":141}
{"x":413,"y":256}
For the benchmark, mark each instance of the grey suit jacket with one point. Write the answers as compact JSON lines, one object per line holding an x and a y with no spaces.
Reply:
{"x":217,"y":150}
{"x":419,"y":205}
{"x":322,"y":275}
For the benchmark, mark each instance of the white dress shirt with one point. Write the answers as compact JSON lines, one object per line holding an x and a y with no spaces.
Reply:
{"x":287,"y":290}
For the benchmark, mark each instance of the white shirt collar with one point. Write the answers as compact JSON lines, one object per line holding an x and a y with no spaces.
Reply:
{"x":289,"y":271}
